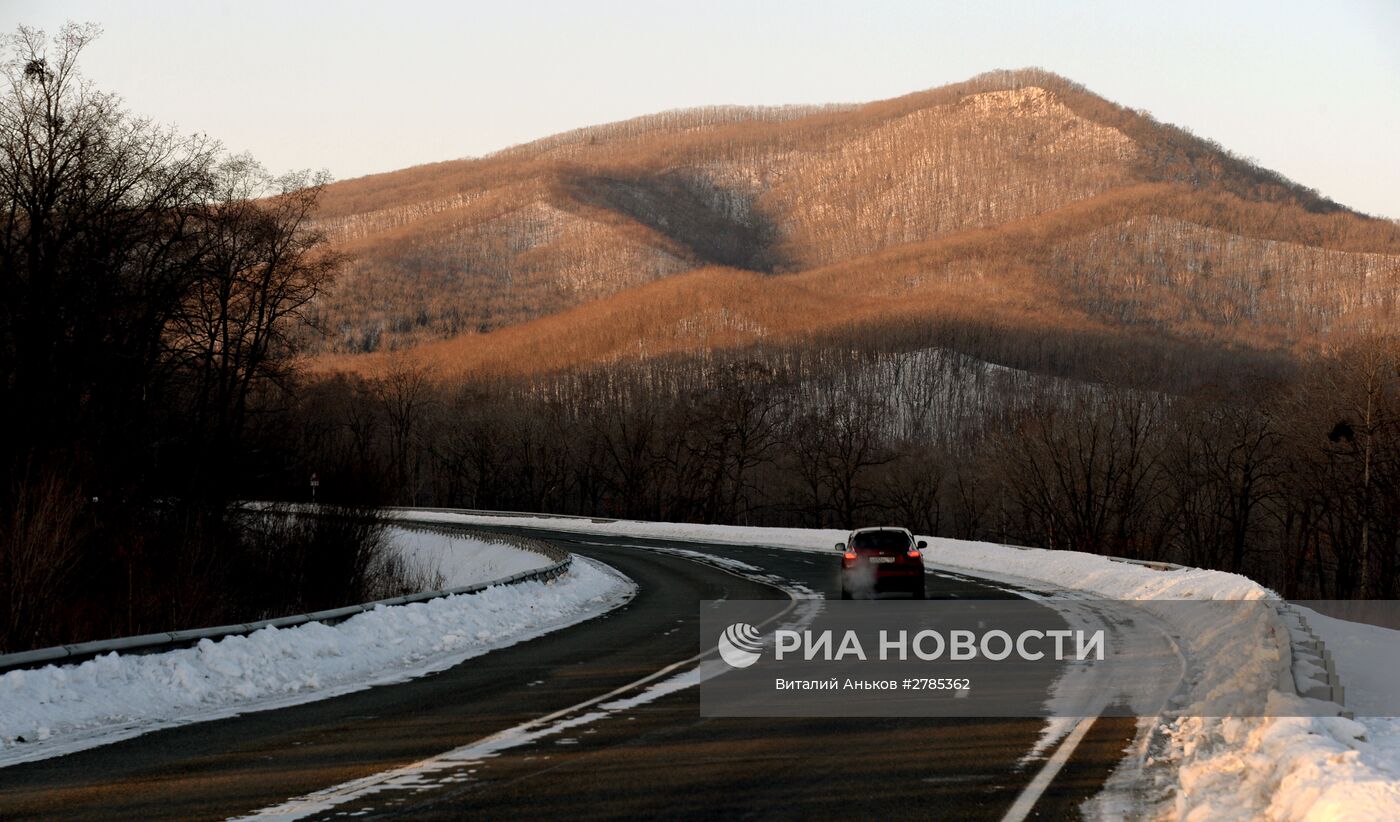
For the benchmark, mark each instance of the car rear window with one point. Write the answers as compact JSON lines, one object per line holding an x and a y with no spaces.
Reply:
{"x":880,"y":541}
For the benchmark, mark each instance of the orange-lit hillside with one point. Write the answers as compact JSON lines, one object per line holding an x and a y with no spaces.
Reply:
{"x":1017,"y":196}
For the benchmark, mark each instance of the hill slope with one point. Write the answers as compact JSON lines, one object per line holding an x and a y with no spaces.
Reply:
{"x":1017,"y":195}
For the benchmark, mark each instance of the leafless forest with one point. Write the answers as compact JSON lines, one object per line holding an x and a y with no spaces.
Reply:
{"x":1281,"y":469}
{"x":153,"y":291}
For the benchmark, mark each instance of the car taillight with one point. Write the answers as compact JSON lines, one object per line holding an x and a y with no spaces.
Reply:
{"x":850,"y":555}
{"x":914,"y":553}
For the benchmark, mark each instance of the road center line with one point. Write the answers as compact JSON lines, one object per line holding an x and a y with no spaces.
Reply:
{"x":411,"y":774}
{"x":1025,"y":803}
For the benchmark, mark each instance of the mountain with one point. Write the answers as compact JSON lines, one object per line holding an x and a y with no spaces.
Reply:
{"x":1018,"y":198}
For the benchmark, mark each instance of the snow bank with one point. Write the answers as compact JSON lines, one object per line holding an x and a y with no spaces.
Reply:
{"x":1286,"y":768}
{"x":1197,"y":767}
{"x":810,"y":539}
{"x":1278,"y":766}
{"x":1337,"y":768}
{"x":457,"y":561}
{"x":60,"y":709}
{"x":1088,"y":573}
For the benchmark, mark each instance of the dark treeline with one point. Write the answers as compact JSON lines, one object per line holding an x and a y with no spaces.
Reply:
{"x":151,"y":293}
{"x":1286,"y":474}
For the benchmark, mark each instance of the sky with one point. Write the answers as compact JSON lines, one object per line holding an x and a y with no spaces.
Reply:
{"x":1308,"y":89}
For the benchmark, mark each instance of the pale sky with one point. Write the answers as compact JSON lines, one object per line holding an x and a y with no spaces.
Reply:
{"x":1310,"y":89}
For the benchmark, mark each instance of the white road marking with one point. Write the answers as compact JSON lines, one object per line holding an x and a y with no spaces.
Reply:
{"x":413,"y":775}
{"x":1025,"y":803}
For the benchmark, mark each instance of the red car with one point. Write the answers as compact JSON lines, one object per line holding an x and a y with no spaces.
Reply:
{"x":876,"y":560}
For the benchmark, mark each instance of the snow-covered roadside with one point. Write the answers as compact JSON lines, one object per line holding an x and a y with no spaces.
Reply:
{"x":457,"y":561}
{"x":1276,"y":767}
{"x":1198,"y":767}
{"x":1350,"y":770}
{"x":810,"y":539}
{"x":60,"y":709}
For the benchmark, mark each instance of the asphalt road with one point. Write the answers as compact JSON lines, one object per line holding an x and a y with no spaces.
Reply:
{"x":658,"y":759}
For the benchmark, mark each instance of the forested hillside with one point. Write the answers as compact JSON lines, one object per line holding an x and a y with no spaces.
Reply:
{"x":1014,"y":192}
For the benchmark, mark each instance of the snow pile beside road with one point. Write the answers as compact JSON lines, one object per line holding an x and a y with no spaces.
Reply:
{"x":458,"y":561}
{"x":1237,"y":652}
{"x":1204,"y":765}
{"x":1338,"y":768}
{"x":1234,"y":768}
{"x":61,"y":709}
{"x":810,"y":539}
{"x":1088,"y":573}
{"x":1287,"y":768}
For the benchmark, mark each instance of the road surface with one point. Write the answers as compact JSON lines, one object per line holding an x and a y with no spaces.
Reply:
{"x":658,"y":759}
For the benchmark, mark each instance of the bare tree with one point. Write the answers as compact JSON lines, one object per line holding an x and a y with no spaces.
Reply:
{"x":1084,"y":476}
{"x":403,"y":394}
{"x":258,"y":270}
{"x":97,"y":250}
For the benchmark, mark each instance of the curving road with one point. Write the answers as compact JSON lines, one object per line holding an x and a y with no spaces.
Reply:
{"x":660,"y":758}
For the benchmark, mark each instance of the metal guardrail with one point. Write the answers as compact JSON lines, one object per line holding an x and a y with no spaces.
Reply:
{"x":166,"y":640}
{"x":1314,"y":672}
{"x":1306,"y":666}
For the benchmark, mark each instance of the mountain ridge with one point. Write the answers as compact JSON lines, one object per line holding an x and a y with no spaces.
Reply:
{"x":1027,"y":161}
